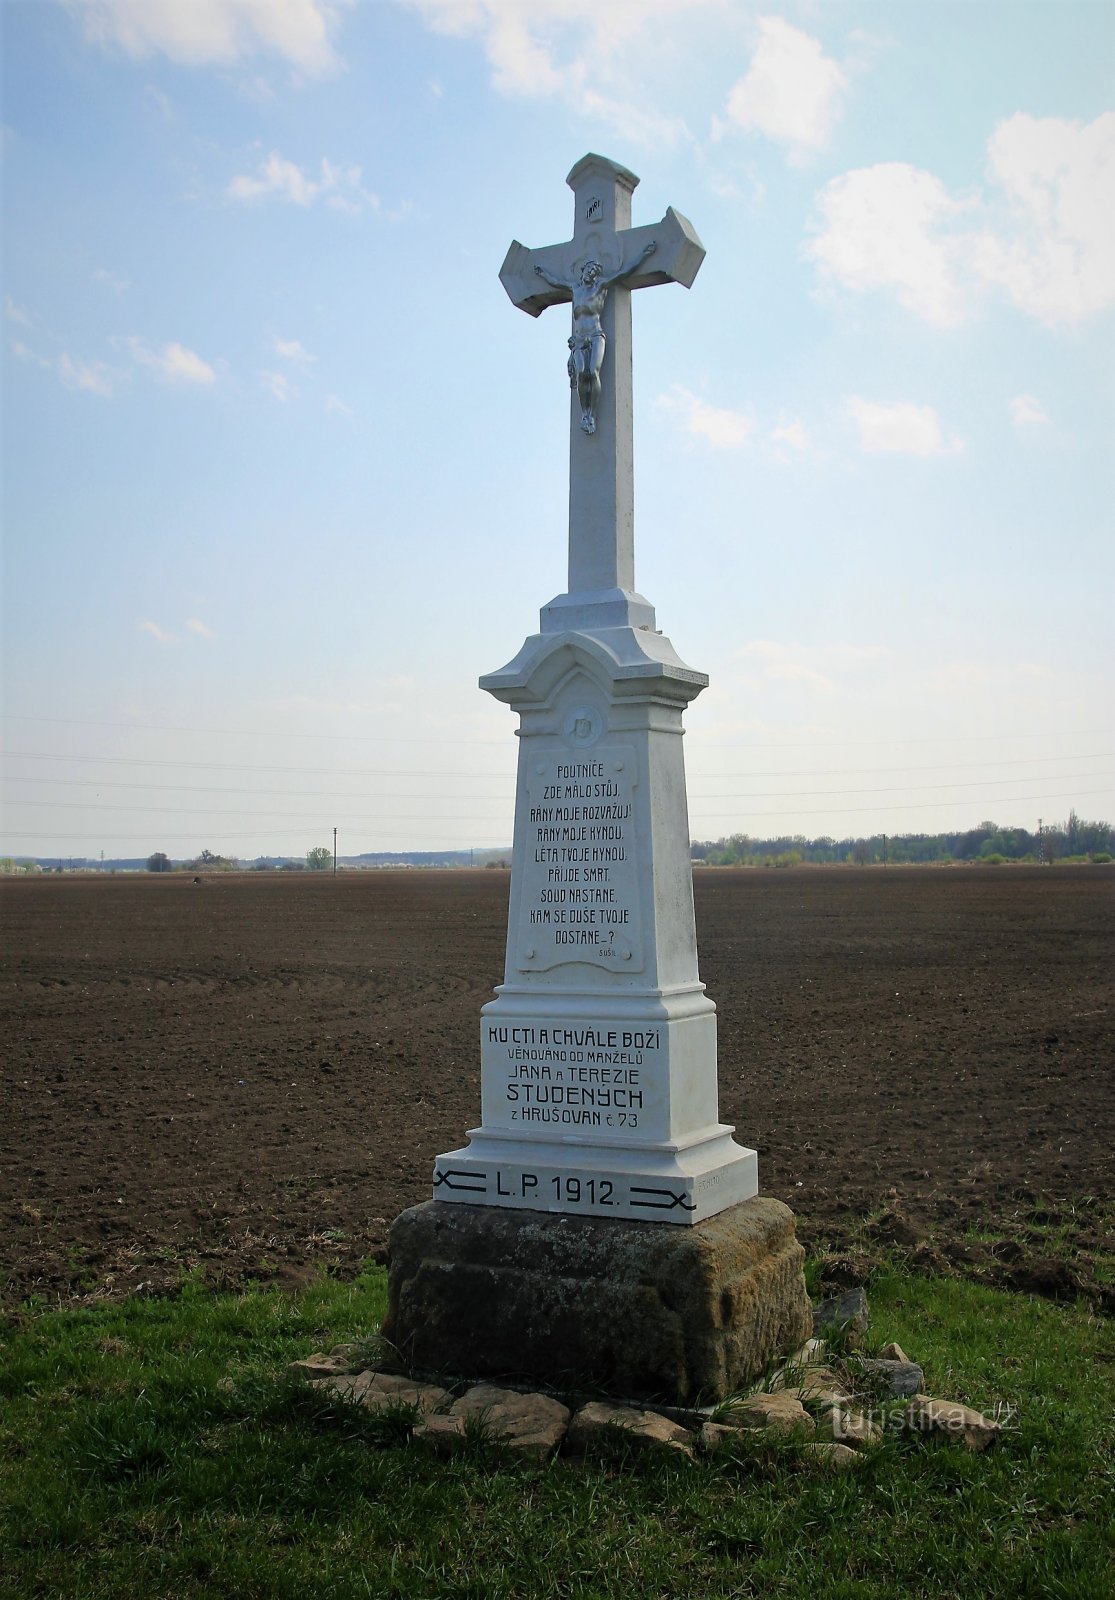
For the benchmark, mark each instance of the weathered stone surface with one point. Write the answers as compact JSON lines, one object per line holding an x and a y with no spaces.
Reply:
{"x":844,"y":1314}
{"x":320,"y":1365}
{"x":893,"y":1352}
{"x":345,"y":1386}
{"x":633,"y":1308}
{"x":811,"y":1353}
{"x":530,"y":1424}
{"x":440,"y":1432}
{"x":971,"y":1428}
{"x":714,"y":1436}
{"x":386,"y":1389}
{"x":896,"y":1378}
{"x":380,"y":1391}
{"x":641,"y":1428}
{"x":832,"y":1455}
{"x":782,"y":1411}
{"x":848,"y":1426}
{"x":806,"y":1382}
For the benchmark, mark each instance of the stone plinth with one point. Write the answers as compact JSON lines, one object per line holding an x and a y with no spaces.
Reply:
{"x":679,"y":1315}
{"x":598,"y":1054}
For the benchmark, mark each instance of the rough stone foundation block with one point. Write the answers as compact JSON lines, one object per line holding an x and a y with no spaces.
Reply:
{"x":635,"y":1309}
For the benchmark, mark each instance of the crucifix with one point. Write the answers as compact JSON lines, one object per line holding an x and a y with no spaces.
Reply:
{"x":597,"y":270}
{"x":598,"y":1067}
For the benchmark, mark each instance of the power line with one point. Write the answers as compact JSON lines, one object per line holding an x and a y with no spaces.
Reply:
{"x":233,"y":766}
{"x":762,"y":794}
{"x":453,"y":776}
{"x":436,"y":739}
{"x":252,"y":733}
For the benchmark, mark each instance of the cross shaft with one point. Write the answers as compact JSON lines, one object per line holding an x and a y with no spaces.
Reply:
{"x":601,"y":460}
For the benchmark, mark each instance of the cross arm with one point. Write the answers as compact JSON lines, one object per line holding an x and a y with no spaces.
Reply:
{"x":677,"y":257}
{"x":525,"y":288}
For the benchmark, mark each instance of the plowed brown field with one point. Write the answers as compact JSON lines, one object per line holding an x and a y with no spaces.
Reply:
{"x":250,"y":1077}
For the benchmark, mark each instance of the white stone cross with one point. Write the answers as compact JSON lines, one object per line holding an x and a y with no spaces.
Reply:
{"x":601,"y":454}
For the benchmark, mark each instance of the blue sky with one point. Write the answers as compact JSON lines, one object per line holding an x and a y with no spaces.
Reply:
{"x":285,"y":471}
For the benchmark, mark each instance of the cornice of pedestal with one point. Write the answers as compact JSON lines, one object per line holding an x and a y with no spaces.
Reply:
{"x":626,"y":663}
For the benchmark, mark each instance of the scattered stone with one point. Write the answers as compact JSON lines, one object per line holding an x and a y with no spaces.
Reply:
{"x":893,"y":1352}
{"x":642,"y":1428}
{"x":832,"y":1455}
{"x":387,"y":1389}
{"x":382,"y":1391}
{"x":714,"y":1436}
{"x":819,"y":1382}
{"x":898,"y":1379}
{"x":344,"y":1386}
{"x":440,"y":1432}
{"x":842,"y":1314}
{"x":783,"y":1411}
{"x":810,"y":1354}
{"x":850,"y":1427}
{"x":320,"y":1365}
{"x":959,"y":1422}
{"x":530,"y":1424}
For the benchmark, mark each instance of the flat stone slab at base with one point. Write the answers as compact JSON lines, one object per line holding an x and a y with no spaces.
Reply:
{"x":635,"y":1309}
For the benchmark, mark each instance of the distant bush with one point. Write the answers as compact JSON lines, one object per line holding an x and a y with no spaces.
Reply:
{"x":1100,"y":858}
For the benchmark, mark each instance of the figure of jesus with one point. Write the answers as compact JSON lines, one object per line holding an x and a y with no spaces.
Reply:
{"x":587,"y":342}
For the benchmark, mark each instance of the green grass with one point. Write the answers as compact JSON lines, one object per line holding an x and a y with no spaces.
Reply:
{"x":151,"y":1449}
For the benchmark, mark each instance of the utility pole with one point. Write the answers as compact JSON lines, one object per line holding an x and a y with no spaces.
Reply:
{"x":334,"y":852}
{"x":1041,"y":846}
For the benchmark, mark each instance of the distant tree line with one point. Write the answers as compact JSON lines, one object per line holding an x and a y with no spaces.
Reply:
{"x":1072,"y":840}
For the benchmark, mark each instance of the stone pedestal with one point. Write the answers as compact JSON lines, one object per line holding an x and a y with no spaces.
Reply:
{"x":680,"y":1315}
{"x":598,"y":1055}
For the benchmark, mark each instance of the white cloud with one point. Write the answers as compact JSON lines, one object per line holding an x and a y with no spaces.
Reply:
{"x":174,"y":362}
{"x":791,"y":91}
{"x":215,"y":32}
{"x":888,"y":227}
{"x":279,"y":385}
{"x":723,"y":429}
{"x":276,"y":177}
{"x":202,"y":629}
{"x":900,"y":429}
{"x":1026,"y":411}
{"x":293,"y":351}
{"x":783,"y":663}
{"x":94,"y":377}
{"x":572,"y":50}
{"x":1042,"y":234}
{"x":789,"y":437}
{"x":341,"y":187}
{"x":333,"y":402}
{"x":1054,"y":257}
{"x":814,"y":669}
{"x":17,"y":314}
{"x":156,"y":632}
{"x":112,"y":280}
